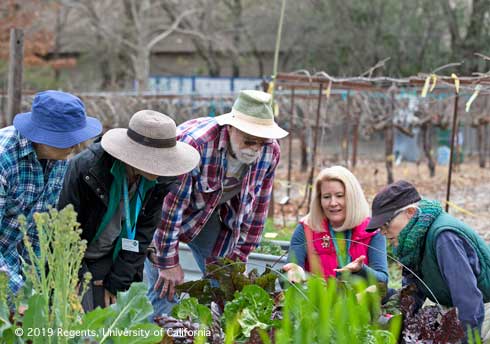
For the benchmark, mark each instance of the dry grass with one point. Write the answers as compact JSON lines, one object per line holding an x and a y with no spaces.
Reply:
{"x":470,"y":188}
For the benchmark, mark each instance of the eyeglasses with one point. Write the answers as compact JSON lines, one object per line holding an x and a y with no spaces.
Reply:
{"x":384,"y":228}
{"x":253,"y":141}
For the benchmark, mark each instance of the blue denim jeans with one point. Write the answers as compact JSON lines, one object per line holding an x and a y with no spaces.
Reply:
{"x":201,"y":247}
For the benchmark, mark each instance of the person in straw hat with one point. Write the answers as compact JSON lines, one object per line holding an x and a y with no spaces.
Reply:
{"x":33,"y":155}
{"x":220,"y":207}
{"x":117,"y":187}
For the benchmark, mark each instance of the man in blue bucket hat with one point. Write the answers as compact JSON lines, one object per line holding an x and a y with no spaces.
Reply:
{"x":33,"y":155}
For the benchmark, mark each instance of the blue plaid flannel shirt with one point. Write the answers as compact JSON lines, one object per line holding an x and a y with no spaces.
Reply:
{"x":24,"y":190}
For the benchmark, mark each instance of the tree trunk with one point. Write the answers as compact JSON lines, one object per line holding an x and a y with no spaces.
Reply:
{"x":465,"y":47}
{"x":255,"y":52}
{"x":142,"y":70}
{"x":481,"y":144}
{"x":214,"y":68}
{"x":427,"y":144}
{"x":57,"y":44}
{"x":304,"y":150}
{"x":389,"y":153}
{"x":345,"y":138}
{"x":236,"y":10}
{"x":270,"y":211}
{"x":486,"y":140}
{"x":355,"y":140}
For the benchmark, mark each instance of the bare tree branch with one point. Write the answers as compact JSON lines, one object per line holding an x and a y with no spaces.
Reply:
{"x":380,"y":64}
{"x":171,"y":29}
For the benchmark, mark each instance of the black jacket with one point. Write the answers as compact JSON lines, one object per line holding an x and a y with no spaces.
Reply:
{"x":86,"y":185}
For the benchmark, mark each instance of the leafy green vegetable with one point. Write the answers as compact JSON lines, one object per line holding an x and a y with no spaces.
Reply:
{"x":6,"y":327}
{"x":231,"y":277}
{"x":35,"y":312}
{"x":190,"y":309}
{"x":203,"y":291}
{"x":130,"y":312}
{"x":268,"y":247}
{"x":251,"y":308}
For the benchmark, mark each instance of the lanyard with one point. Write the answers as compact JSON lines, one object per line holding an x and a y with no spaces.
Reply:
{"x":131,"y":231}
{"x":340,"y":259}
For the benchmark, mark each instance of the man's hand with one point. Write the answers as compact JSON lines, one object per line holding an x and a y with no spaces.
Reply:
{"x":168,"y":279}
{"x":109,"y":298}
{"x":22,"y":309}
{"x":296,"y":274}
{"x":354,"y":266}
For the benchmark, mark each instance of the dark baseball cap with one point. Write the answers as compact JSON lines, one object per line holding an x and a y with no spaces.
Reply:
{"x":390,"y":199}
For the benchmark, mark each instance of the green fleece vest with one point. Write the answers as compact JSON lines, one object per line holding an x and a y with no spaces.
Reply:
{"x":430,"y":269}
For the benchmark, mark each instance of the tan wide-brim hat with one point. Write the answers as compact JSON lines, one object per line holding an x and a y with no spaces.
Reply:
{"x":252,"y":114}
{"x":150,"y":145}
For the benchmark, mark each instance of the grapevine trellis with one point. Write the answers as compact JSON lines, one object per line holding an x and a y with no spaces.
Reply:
{"x":311,"y":107}
{"x":377,"y":104}
{"x":115,"y":109}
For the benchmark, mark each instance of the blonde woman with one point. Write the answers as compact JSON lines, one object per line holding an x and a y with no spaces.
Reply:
{"x":332,"y":237}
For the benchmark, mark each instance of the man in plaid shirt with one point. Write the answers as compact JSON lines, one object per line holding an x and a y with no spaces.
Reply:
{"x":33,"y":155}
{"x":218,"y":209}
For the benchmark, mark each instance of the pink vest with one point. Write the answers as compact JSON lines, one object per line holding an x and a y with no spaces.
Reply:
{"x":321,"y":249}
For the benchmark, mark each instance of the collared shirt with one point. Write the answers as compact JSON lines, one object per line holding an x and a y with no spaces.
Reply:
{"x":97,"y":249}
{"x":187,"y":208}
{"x":24,"y":190}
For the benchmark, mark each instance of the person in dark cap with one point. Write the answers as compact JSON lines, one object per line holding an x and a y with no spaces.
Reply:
{"x":452,"y":260}
{"x":33,"y":155}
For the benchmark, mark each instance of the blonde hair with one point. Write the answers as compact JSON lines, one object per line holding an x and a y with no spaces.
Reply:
{"x":356,"y":205}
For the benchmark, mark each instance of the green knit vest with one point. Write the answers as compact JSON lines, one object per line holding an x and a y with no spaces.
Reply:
{"x":430,"y":269}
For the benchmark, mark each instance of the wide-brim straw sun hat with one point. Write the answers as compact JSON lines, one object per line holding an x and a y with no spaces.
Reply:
{"x":252,"y":114}
{"x":150,"y":145}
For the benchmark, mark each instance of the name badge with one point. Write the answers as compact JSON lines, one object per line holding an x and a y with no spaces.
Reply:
{"x":130,"y":245}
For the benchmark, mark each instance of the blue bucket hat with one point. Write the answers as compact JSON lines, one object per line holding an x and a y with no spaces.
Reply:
{"x":57,"y":119}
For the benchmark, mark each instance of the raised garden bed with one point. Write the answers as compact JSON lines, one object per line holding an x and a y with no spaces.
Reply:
{"x":256,"y":260}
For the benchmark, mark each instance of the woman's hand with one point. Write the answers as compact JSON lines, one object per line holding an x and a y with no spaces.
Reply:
{"x":296,"y":274}
{"x":354,"y":266}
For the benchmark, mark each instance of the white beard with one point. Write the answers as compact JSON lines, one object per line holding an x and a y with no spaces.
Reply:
{"x":246,"y":156}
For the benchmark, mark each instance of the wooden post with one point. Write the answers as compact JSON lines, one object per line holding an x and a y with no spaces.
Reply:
{"x":427,"y":143}
{"x":486,"y":139}
{"x":453,"y":142}
{"x":15,"y":74}
{"x":481,"y":143}
{"x":345,"y":138}
{"x":270,"y":210}
{"x":355,"y":139}
{"x":315,"y":145}
{"x":3,"y":112}
{"x":303,"y":147}
{"x":290,"y":138}
{"x":389,"y":138}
